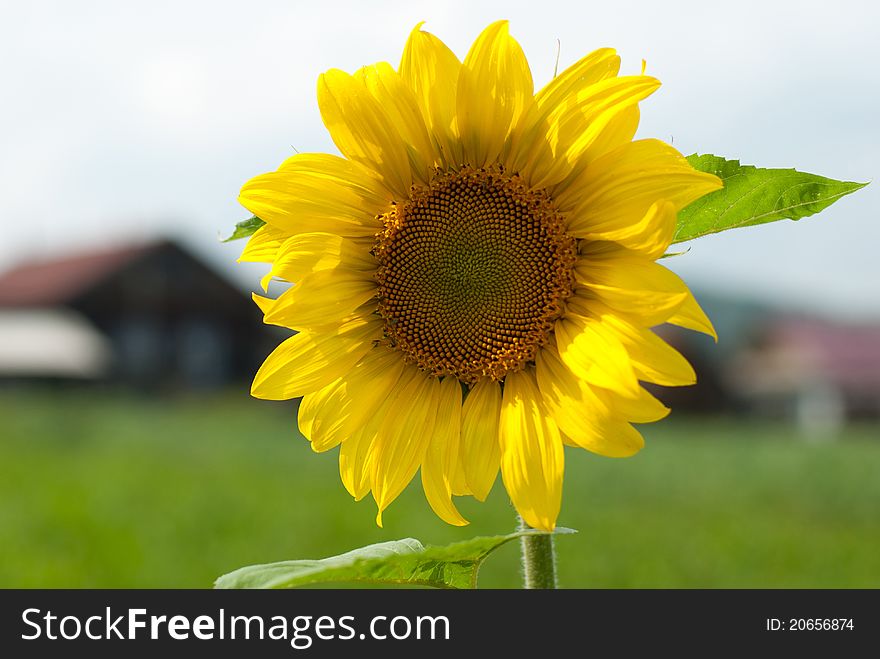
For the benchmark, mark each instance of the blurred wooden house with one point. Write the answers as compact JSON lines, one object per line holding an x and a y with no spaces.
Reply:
{"x":816,"y":371}
{"x":150,"y":315}
{"x":735,"y":320}
{"x":799,"y":367}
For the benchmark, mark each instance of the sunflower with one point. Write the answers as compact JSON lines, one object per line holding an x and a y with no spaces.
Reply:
{"x":474,"y":280}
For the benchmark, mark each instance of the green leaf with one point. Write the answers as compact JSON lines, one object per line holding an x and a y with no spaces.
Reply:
{"x":404,"y":561}
{"x":752,"y":195}
{"x":245,"y":228}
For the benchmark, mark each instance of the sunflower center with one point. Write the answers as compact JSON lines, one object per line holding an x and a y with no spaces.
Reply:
{"x":473,"y":270}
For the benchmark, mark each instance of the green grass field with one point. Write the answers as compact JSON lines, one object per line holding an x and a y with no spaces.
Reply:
{"x":110,"y":491}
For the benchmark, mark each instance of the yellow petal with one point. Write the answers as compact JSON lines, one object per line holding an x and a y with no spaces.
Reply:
{"x":431,"y":70}
{"x":398,"y":102}
{"x":311,"y":414}
{"x":358,"y":451}
{"x":575,"y":132}
{"x":400,"y":445}
{"x":619,"y":129}
{"x":692,"y":316}
{"x":581,"y":128}
{"x":644,"y":292}
{"x":652,"y":358}
{"x":317,"y":192}
{"x":263,"y":245}
{"x":494,"y":88}
{"x":335,"y":413}
{"x":617,"y":189}
{"x":613,"y":439}
{"x":322,"y":298}
{"x":532,"y":460}
{"x":362,"y":130}
{"x":308,"y":361}
{"x":641,"y":408}
{"x":630,"y":283}
{"x":458,"y":482}
{"x":584,"y":417}
{"x":265,"y":304}
{"x":650,"y":236}
{"x":303,"y":253}
{"x":592,"y":68}
{"x":441,"y":456}
{"x":480,"y":450}
{"x":592,"y":351}
{"x":530,"y":149}
{"x":354,"y":463}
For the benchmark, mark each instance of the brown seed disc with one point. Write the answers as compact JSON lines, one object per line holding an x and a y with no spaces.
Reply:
{"x":472,"y":274}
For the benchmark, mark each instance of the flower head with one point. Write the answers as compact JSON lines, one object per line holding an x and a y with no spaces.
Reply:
{"x":474,"y":280}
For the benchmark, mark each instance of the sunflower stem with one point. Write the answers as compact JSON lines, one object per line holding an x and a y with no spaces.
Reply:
{"x":538,"y":559}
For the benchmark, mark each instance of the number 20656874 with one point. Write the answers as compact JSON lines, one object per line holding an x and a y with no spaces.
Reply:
{"x":809,"y":624}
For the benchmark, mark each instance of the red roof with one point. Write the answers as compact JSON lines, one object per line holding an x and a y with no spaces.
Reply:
{"x":846,"y":354}
{"x":58,"y":281}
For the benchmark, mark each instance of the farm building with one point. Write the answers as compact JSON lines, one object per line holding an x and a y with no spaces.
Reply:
{"x":155,"y":316}
{"x":150,"y":315}
{"x":816,"y":371}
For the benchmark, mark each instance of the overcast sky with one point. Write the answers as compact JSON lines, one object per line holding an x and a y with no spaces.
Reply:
{"x":124,"y":120}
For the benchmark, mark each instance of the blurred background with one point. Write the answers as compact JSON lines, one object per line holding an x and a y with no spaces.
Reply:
{"x":131,"y":454}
